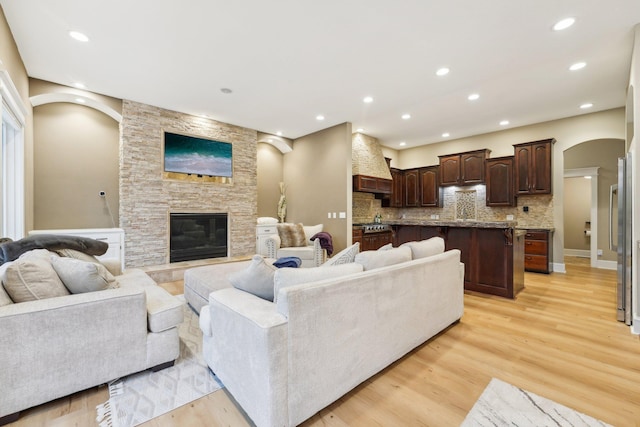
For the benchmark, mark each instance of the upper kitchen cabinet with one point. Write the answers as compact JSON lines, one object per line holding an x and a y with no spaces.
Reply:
{"x":397,"y":188}
{"x":412,"y":188}
{"x":370,"y":184}
{"x":430,"y":190}
{"x":463,"y":168}
{"x":500,"y":187}
{"x":533,"y":167}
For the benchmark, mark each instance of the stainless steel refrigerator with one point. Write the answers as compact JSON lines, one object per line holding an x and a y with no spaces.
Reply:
{"x":621,"y":241}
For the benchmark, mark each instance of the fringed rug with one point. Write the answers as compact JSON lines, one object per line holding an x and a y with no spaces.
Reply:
{"x":140,"y":397}
{"x":502,"y":404}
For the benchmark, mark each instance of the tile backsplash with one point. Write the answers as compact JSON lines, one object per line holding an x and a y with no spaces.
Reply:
{"x":473,"y":199}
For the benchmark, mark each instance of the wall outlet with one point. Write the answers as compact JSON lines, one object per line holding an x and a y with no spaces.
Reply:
{"x":599,"y":252}
{"x":509,"y":217}
{"x":525,"y":209}
{"x":329,"y":215}
{"x":333,"y":215}
{"x":342,"y":215}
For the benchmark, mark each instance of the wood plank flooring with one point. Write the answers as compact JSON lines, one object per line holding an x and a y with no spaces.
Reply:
{"x":558,"y":339}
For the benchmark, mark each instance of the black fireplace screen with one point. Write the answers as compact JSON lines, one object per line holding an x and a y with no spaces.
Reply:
{"x":197,"y":236}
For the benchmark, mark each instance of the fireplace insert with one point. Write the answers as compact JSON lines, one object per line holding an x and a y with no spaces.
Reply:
{"x":197,"y":236}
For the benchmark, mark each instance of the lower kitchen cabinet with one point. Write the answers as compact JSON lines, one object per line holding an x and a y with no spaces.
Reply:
{"x":371,"y":241}
{"x":538,"y":251}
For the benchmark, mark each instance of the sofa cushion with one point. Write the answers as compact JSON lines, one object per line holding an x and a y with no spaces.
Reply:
{"x":292,"y":235}
{"x":285,"y":277}
{"x":376,"y":259}
{"x":256,"y":279}
{"x":345,"y":256}
{"x":386,"y":247}
{"x":164,"y":311}
{"x":425,"y":248}
{"x":310,"y":231}
{"x":82,"y":276}
{"x":199,"y":282}
{"x":302,"y":252}
{"x":32,"y":278}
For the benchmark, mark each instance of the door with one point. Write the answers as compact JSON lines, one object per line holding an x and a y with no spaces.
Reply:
{"x":624,"y":248}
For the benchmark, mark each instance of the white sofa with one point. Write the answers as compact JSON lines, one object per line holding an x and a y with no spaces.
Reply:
{"x":285,"y":361}
{"x":57,"y":346}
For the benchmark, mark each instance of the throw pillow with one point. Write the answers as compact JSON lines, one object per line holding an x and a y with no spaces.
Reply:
{"x":257,"y":279}
{"x":310,"y":231}
{"x":386,"y":247}
{"x":32,"y":278}
{"x":82,"y":276}
{"x":4,"y":296}
{"x":291,"y":235}
{"x":71,"y":253}
{"x":426,"y":248}
{"x":345,"y":256}
{"x":285,"y":277}
{"x":376,"y":259}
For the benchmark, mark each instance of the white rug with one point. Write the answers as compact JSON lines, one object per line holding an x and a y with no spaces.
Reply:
{"x":502,"y":404}
{"x":140,"y":397}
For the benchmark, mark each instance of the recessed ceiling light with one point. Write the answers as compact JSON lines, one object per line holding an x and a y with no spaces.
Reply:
{"x":406,"y":116}
{"x":586,"y":105}
{"x":279,"y":133}
{"x":442,"y":71}
{"x":367,"y":100}
{"x":80,"y":101}
{"x":319,"y":117}
{"x":360,"y":130}
{"x":446,"y":135}
{"x":586,"y":177}
{"x":79,"y":85}
{"x":402,"y":144}
{"x":473,"y":97}
{"x":578,"y":66}
{"x":226,"y":90}
{"x":564,"y":24}
{"x":504,"y":122}
{"x":78,"y":36}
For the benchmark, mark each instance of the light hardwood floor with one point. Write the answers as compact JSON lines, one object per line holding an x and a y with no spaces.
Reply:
{"x":558,"y":339}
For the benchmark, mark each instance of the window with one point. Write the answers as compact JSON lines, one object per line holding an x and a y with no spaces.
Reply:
{"x":11,"y":161}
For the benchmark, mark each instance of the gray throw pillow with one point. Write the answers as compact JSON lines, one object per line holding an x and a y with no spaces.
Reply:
{"x":82,"y":276}
{"x":257,"y":278}
{"x":32,"y":278}
{"x":345,"y":256}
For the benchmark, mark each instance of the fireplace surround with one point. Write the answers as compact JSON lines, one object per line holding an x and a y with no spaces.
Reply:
{"x":197,"y":236}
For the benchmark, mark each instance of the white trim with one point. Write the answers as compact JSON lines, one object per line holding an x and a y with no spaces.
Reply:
{"x":9,"y":94}
{"x":593,"y":173}
{"x":559,"y":267}
{"x":582,"y":253}
{"x":48,"y":98}
{"x":278,"y":142}
{"x":607,"y":265}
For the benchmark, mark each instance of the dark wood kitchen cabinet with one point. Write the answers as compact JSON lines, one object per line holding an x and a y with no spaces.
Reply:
{"x":371,"y":241}
{"x":412,"y":188}
{"x":430,"y":191}
{"x":371,"y":184}
{"x":463,"y":168}
{"x":538,"y":251}
{"x":500,"y":187}
{"x":397,"y":189}
{"x":533,"y":162}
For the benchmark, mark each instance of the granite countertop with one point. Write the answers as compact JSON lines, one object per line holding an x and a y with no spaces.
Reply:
{"x":536,"y":228}
{"x":463,"y":224}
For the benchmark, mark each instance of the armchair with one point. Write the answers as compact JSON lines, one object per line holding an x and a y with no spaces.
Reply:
{"x":311,"y":255}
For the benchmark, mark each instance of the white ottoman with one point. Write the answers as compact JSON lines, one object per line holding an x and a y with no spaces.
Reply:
{"x":199,"y":282}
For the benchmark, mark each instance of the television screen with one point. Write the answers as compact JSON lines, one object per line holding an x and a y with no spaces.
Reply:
{"x":197,"y":156}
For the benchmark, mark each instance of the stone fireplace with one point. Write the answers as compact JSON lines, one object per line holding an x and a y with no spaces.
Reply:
{"x":197,"y":236}
{"x":147,"y":199}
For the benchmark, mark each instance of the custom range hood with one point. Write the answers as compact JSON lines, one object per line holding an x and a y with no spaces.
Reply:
{"x":370,"y":168}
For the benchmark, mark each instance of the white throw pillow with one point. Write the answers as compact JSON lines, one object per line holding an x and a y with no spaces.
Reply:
{"x":345,"y":256}
{"x":257,"y":278}
{"x":83,"y":276}
{"x":426,"y":248}
{"x":285,"y":277}
{"x":32,"y":278}
{"x":376,"y":259}
{"x":386,"y":247}
{"x":310,"y":231}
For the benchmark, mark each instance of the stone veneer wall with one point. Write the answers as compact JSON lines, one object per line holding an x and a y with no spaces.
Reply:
{"x":146,"y":199}
{"x":367,"y":157}
{"x":540,"y":214}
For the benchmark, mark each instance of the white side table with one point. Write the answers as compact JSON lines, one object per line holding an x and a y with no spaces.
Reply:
{"x":262,"y":233}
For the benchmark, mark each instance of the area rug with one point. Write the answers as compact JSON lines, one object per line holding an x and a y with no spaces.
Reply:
{"x":502,"y":404}
{"x":140,"y":397}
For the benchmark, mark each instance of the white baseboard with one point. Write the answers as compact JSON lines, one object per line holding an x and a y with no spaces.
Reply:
{"x":558,"y":267}
{"x":635,"y":326}
{"x":607,"y":265}
{"x":582,"y":253}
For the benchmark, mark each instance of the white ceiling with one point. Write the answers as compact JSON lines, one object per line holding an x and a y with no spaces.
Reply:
{"x":287,"y":61}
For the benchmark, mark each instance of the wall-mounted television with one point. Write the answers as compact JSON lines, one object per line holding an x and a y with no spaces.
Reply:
{"x":197,"y":157}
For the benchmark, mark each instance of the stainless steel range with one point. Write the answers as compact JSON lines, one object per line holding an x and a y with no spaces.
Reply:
{"x":373,"y":227}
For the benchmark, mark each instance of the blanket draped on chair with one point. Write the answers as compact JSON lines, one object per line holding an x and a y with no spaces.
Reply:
{"x":325,"y":241}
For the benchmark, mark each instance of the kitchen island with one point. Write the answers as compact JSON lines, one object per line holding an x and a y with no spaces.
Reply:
{"x":492,"y":252}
